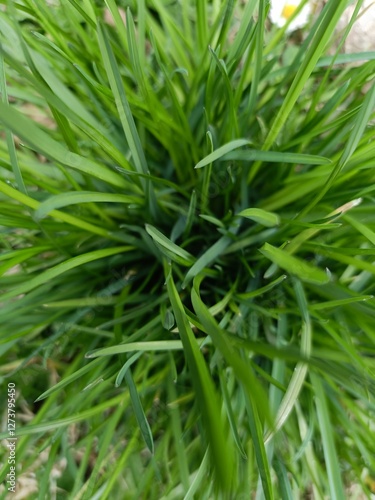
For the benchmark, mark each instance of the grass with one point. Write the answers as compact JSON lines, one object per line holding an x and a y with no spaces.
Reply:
{"x":187,"y":263}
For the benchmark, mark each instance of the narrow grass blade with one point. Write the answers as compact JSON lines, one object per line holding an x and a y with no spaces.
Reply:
{"x":268,"y":219}
{"x":125,"y":367}
{"x":44,"y":144}
{"x":231,"y":416}
{"x":69,"y":264}
{"x":259,"y":43}
{"x":201,"y":24}
{"x":294,"y":266}
{"x":176,"y":421}
{"x":172,"y":250}
{"x":298,"y":378}
{"x":9,"y":139}
{"x":276,"y":157}
{"x":146,"y":346}
{"x":122,"y":104}
{"x":283,"y":479}
{"x":226,"y":153}
{"x":126,"y":116}
{"x":68,"y":380}
{"x":337,"y":491}
{"x":360,"y":123}
{"x":205,"y":392}
{"x":74,"y":198}
{"x":199,"y":477}
{"x":259,"y":448}
{"x":139,"y":412}
{"x":223,"y":343}
{"x":220,"y":152}
{"x":69,"y":219}
{"x":262,"y":290}
{"x":64,"y":422}
{"x":232,"y":122}
{"x":325,"y":30}
{"x":207,"y":258}
{"x":361,"y":228}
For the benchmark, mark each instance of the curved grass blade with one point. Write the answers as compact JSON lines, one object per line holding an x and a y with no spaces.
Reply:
{"x":68,"y":380}
{"x":147,"y":346}
{"x":122,"y":104}
{"x":230,"y":413}
{"x":69,"y":264}
{"x":206,"y":395}
{"x":264,"y":289}
{"x":300,"y":372}
{"x":227,"y":152}
{"x":337,"y":491}
{"x":126,"y":116}
{"x":207,"y":258}
{"x":64,"y":422}
{"x":125,"y":367}
{"x":276,"y":157}
{"x":44,"y":144}
{"x":220,"y":152}
{"x":198,"y":478}
{"x":69,"y":219}
{"x":9,"y":138}
{"x":139,"y":412}
{"x":294,"y":266}
{"x":268,"y":219}
{"x":254,"y":394}
{"x":74,"y":198}
{"x":169,"y":248}
{"x":224,"y":344}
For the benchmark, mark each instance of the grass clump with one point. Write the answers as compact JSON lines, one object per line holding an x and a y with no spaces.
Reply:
{"x":187,"y":251}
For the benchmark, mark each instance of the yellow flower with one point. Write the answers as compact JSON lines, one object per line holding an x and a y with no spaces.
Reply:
{"x":282,"y":10}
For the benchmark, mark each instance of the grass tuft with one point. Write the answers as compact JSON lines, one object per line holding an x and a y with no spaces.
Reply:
{"x":187,"y":251}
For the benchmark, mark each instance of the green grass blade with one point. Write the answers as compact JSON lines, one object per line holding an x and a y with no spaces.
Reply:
{"x":260,"y":450}
{"x":298,"y":378}
{"x":146,"y":346}
{"x":205,"y":392}
{"x":122,"y":104}
{"x":277,"y":157}
{"x":199,"y":477}
{"x":268,"y":219}
{"x":9,"y":139}
{"x":360,"y":123}
{"x":226,"y":153}
{"x":125,"y":115}
{"x":294,"y":266}
{"x":67,"y":199}
{"x":329,"y":20}
{"x":44,"y":144}
{"x":231,"y":416}
{"x":264,"y":289}
{"x":219,"y":338}
{"x":125,"y":367}
{"x":68,"y":380}
{"x":64,"y":267}
{"x":259,"y":42}
{"x":207,"y":258}
{"x":201,"y":25}
{"x":173,"y":250}
{"x":74,"y":221}
{"x":139,"y":412}
{"x":220,"y":152}
{"x":337,"y":491}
